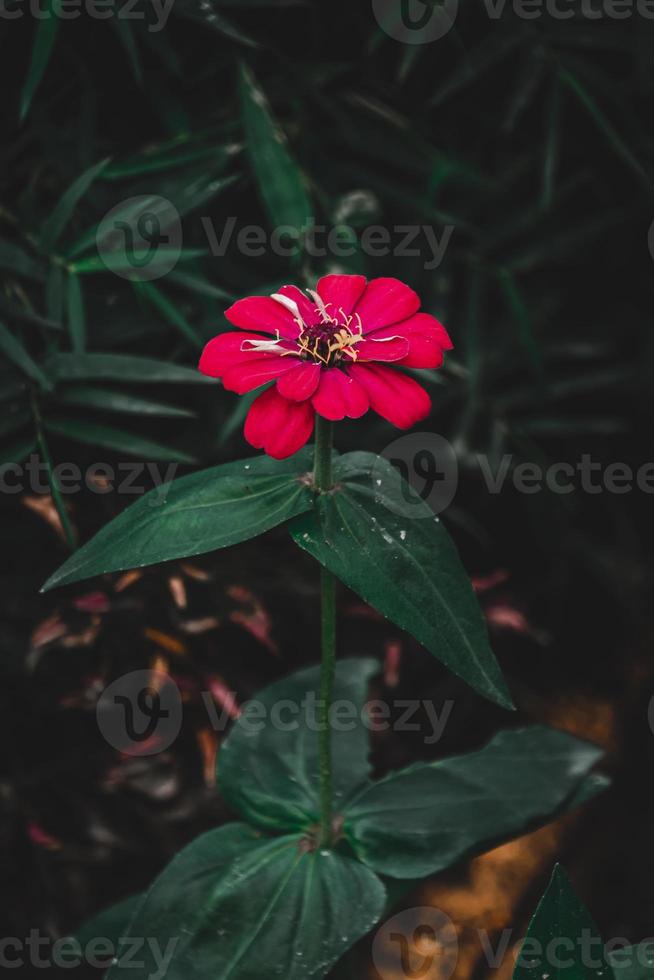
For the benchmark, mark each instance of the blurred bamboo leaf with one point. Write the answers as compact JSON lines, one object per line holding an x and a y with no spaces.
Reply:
{"x":60,"y":505}
{"x":14,"y":259}
{"x":116,"y":439}
{"x":188,"y":191}
{"x":611,"y":135}
{"x":14,"y":350}
{"x":17,"y":451}
{"x":128,"y":41}
{"x":277,"y":175}
{"x":197,"y":284}
{"x":120,"y":367}
{"x":76,"y":315}
{"x":89,"y":396}
{"x":54,"y":293}
{"x":568,"y":241}
{"x":128,"y":213}
{"x":206,"y":13}
{"x":473,"y":348}
{"x":168,"y":310}
{"x":44,"y":39}
{"x":567,"y":388}
{"x":163,"y":257}
{"x":54,"y":226}
{"x":11,"y":421}
{"x":552,"y":137}
{"x":525,"y":87}
{"x":155,"y":161}
{"x":12,"y":385}
{"x":522,"y":319}
{"x":176,"y":197}
{"x":565,"y":426}
{"x":480,"y":60}
{"x":26,"y":314}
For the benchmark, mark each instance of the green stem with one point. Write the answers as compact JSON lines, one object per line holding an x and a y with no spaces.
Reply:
{"x":323,"y":481}
{"x":322,"y":465}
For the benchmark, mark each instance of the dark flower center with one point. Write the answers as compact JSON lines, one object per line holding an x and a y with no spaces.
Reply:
{"x":328,"y":341}
{"x":317,"y":338}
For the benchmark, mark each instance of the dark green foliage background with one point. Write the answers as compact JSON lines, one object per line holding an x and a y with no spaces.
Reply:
{"x":533,"y":139}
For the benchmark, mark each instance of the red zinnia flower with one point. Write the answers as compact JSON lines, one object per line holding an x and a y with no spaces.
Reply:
{"x":324,"y":349}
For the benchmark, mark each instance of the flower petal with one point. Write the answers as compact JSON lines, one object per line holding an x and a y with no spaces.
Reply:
{"x":225,"y":350}
{"x":306,"y":307}
{"x":341,"y":292}
{"x":391,"y":348}
{"x":278,"y":426}
{"x":339,"y":395}
{"x":300,"y":383}
{"x":427,"y":340}
{"x":262,"y":313}
{"x":396,"y":397}
{"x":385,"y":301}
{"x":256,"y":371}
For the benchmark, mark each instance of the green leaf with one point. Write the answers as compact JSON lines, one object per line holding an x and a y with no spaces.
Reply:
{"x":476,"y":63}
{"x":128,"y":41}
{"x":153,"y":160}
{"x":633,"y":962}
{"x":552,"y":142}
{"x":609,"y":132}
{"x":120,"y":261}
{"x":430,"y":815}
{"x":168,"y":310}
{"x":17,"y":451}
{"x":68,"y":528}
{"x":277,"y":174}
{"x":406,"y":567}
{"x":55,"y":225}
{"x":76,"y":316}
{"x":268,"y":771}
{"x":25,"y":314}
{"x":176,"y":198}
{"x":89,"y":396}
{"x":522,"y":319}
{"x":54,"y":293}
{"x":111,"y":923}
{"x":128,"y":211}
{"x":200,"y":285}
{"x":195,"y":514}
{"x":236,"y":906}
{"x":210,"y":15}
{"x":12,"y":348}
{"x":14,"y":259}
{"x":12,"y":385}
{"x":116,"y":439}
{"x":120,"y":367}
{"x":187,"y":192}
{"x":13,"y":418}
{"x":561,"y":932}
{"x":46,"y":33}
